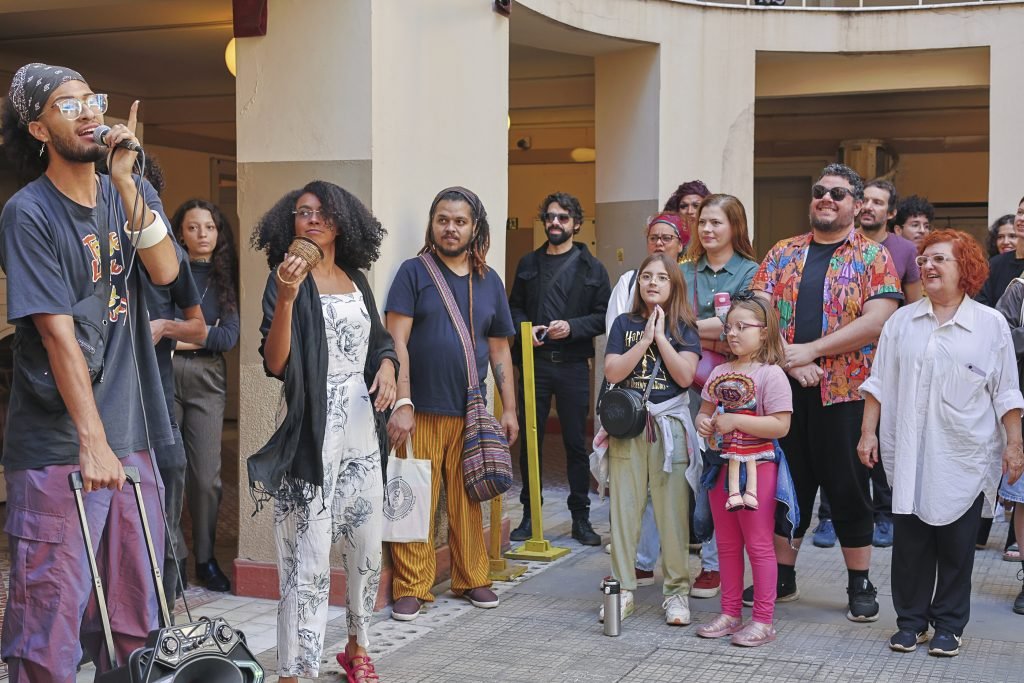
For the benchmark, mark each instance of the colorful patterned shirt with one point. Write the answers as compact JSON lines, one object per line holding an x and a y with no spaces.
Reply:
{"x":860,"y":270}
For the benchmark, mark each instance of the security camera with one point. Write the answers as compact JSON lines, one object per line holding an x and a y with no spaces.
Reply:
{"x":524,"y":143}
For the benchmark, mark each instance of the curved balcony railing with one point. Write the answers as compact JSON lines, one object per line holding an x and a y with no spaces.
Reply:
{"x":854,"y":5}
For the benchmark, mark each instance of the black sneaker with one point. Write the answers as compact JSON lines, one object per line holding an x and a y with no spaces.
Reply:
{"x":584,"y":533}
{"x":944,"y":644}
{"x":783,"y":593}
{"x":209,"y":574}
{"x":906,"y":640}
{"x":524,"y":531}
{"x":1018,"y":604}
{"x":863,"y":602}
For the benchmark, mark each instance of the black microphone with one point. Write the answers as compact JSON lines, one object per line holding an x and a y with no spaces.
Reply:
{"x":99,"y":136}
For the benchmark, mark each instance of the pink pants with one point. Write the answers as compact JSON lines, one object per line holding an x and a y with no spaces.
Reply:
{"x":754,"y":529}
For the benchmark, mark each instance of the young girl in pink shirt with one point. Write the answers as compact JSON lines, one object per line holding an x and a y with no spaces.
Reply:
{"x":756,"y":388}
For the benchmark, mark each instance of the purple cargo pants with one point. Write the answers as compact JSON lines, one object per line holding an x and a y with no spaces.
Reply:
{"x":51,"y":609}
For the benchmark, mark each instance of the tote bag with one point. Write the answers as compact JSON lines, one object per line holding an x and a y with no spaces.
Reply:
{"x":407,"y":498}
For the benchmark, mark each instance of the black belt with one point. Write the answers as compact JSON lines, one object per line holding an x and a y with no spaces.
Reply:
{"x":198,"y":353}
{"x":555,"y":356}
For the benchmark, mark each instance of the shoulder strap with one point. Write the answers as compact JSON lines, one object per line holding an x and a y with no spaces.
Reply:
{"x":453,"y":312}
{"x":541,"y":300}
{"x":632,"y":280}
{"x":650,"y":382}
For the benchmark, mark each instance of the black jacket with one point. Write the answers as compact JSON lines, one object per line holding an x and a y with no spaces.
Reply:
{"x":586,"y":303}
{"x":295,"y":448}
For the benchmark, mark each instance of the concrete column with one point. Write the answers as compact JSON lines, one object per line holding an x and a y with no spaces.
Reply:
{"x":393,"y":101}
{"x":1006,"y":144}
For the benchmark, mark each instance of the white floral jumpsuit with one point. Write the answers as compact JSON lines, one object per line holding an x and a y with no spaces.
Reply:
{"x":350,"y":511}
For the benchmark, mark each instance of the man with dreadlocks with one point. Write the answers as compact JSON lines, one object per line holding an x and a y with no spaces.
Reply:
{"x":69,"y":235}
{"x":432,"y":382}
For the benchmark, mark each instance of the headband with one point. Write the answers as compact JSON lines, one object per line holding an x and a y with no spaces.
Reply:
{"x":32,"y":86}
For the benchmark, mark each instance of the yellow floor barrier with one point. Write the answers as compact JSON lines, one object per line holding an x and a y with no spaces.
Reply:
{"x":537,"y":548}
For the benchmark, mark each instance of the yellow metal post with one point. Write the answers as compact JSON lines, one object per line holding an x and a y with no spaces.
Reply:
{"x":500,"y":568}
{"x":537,"y":548}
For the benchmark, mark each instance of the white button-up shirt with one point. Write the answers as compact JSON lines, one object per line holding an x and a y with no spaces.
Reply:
{"x":943,"y":389}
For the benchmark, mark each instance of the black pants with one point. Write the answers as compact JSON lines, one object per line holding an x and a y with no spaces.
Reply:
{"x":881,"y":496}
{"x":821,"y":449}
{"x":569,"y":384}
{"x":931,"y":571}
{"x":171,"y":463}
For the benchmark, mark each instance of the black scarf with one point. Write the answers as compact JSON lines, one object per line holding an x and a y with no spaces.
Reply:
{"x":290,"y":466}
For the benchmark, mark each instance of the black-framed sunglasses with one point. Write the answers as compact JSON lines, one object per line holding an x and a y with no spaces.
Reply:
{"x":837,"y":194}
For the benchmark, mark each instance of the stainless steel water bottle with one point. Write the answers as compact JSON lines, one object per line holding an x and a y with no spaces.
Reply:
{"x":612,"y":608}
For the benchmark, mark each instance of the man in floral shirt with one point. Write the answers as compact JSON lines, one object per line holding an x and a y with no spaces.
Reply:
{"x":834,"y":289}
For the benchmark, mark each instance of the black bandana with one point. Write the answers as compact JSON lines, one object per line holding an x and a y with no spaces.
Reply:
{"x":32,"y":86}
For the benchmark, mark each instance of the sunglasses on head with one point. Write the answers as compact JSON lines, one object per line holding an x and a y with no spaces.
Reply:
{"x":837,"y":194}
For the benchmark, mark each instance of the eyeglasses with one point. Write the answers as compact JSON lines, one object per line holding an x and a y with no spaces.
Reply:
{"x":741,"y":326}
{"x":555,"y":217}
{"x":837,"y":194}
{"x":661,"y":239}
{"x":937,"y":259}
{"x":660,"y":278}
{"x":307,"y":214}
{"x":71,"y":107}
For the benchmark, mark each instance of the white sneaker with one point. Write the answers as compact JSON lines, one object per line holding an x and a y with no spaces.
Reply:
{"x":608,"y":549}
{"x":677,"y":610}
{"x":626,"y":606}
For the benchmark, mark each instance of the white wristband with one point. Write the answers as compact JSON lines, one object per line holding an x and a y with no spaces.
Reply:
{"x":404,"y":402}
{"x":149,"y":236}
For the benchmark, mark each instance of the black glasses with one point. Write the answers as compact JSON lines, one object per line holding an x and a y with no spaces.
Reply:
{"x":740,"y":327}
{"x":837,"y":194}
{"x":555,"y":217}
{"x":663,"y":239}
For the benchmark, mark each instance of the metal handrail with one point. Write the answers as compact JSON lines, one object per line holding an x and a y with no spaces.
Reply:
{"x":860,"y":6}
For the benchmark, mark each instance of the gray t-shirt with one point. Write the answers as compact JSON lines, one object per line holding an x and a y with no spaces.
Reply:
{"x":49,"y":250}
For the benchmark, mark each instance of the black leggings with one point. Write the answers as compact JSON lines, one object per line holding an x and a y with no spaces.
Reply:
{"x":821,"y":449}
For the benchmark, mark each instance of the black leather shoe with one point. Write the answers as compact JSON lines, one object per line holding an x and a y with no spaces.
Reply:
{"x":524,"y":531}
{"x":210,"y":576}
{"x":584,"y":533}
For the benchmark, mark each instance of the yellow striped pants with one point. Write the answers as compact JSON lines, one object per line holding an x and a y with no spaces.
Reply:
{"x":438,"y":438}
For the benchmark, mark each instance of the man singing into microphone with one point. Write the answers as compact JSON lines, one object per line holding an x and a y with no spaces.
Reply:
{"x":52,"y":249}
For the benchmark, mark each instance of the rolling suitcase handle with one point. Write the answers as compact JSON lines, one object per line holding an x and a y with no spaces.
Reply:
{"x":132,"y":475}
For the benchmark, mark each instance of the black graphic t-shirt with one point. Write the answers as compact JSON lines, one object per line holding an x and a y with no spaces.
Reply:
{"x":50,"y":252}
{"x":626,"y":331}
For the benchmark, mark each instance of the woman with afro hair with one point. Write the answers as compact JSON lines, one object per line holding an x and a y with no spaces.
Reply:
{"x":323,"y":337}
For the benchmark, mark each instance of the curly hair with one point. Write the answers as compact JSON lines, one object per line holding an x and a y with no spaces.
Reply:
{"x":914,"y":206}
{"x":224,"y":275}
{"x":696,"y":187}
{"x":359,"y":234}
{"x":567,"y":202}
{"x":993,"y":233}
{"x":968,"y":254}
{"x":21,"y":148}
{"x":846,"y":173}
{"x":480,"y":243}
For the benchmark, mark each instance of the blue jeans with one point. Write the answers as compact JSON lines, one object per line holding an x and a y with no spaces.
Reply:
{"x":650,"y":545}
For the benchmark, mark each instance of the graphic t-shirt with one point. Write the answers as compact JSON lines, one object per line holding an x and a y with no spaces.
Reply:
{"x":626,"y":332}
{"x":765,"y":390}
{"x":437,"y":365}
{"x":50,"y":249}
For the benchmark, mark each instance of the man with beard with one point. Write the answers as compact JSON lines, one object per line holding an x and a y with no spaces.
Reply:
{"x":564,"y":291}
{"x":834,"y":289}
{"x":66,"y":236}
{"x":432,"y":380}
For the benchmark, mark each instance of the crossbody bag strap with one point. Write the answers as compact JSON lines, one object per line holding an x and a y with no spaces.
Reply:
{"x":650,"y":382}
{"x":546,"y":288}
{"x":456,"y":317}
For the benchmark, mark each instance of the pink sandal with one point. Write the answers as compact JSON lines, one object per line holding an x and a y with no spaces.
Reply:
{"x":357,"y":669}
{"x":731,"y":505}
{"x":750,"y":500}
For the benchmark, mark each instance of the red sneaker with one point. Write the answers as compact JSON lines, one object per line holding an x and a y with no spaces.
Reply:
{"x":707,"y":584}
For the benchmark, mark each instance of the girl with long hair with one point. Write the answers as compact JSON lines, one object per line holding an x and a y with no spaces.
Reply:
{"x":747,"y":402}
{"x":656,"y":342}
{"x":323,"y":337}
{"x":200,"y":374}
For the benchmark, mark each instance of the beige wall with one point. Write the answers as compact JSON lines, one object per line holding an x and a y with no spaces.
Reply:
{"x":186,"y":173}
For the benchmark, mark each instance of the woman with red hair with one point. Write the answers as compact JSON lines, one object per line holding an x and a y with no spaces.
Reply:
{"x":944,"y":377}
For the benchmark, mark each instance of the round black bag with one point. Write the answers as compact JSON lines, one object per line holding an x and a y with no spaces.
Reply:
{"x":623,"y":412}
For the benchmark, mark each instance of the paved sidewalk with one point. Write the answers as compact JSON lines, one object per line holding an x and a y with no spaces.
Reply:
{"x":546,"y":628}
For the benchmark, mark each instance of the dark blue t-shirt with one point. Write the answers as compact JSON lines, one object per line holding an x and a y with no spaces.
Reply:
{"x":49,"y":249}
{"x":437,"y":366}
{"x":165,"y":303}
{"x":626,"y":332}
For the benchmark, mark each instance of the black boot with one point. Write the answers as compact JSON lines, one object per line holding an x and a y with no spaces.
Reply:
{"x":524,"y":531}
{"x":210,"y":575}
{"x":584,"y":533}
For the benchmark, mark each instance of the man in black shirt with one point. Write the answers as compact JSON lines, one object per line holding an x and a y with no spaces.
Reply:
{"x":564,"y":291}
